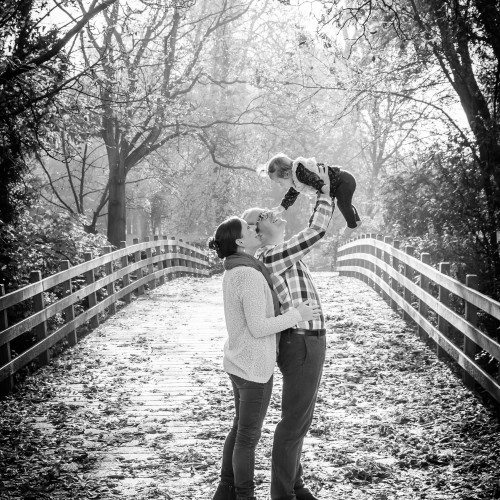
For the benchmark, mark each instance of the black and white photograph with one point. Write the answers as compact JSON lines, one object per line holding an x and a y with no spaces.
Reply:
{"x":249,"y":249}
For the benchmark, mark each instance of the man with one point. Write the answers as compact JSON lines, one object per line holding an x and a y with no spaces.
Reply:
{"x":302,"y":348}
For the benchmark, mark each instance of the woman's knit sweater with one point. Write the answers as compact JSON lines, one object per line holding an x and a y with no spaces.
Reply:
{"x":250,"y":350}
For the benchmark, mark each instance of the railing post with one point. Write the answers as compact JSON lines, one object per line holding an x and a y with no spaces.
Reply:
{"x":395,"y":264}
{"x":371,"y":265}
{"x":409,"y":273}
{"x":92,"y":297}
{"x":7,"y":384}
{"x":180,"y":249}
{"x":175,"y":260}
{"x":378,"y":269}
{"x":69,"y":312}
{"x":126,"y":278}
{"x":161,"y":279}
{"x":41,"y":329}
{"x":470,"y":347}
{"x":387,"y":276}
{"x":444,"y":298}
{"x":424,"y":285}
{"x":189,"y":253}
{"x":110,"y":288}
{"x":149,"y":256}
{"x":138,"y":258}
{"x":168,"y":262}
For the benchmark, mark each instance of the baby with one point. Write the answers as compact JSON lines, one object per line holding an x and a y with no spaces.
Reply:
{"x":304,"y":174}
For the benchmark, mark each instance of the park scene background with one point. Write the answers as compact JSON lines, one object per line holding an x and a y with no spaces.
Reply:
{"x":130,"y":119}
{"x":124,"y":121}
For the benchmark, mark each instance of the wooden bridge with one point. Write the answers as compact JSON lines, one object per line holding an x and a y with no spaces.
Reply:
{"x":140,"y":405}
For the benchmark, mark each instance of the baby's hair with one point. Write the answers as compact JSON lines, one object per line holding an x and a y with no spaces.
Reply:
{"x":224,"y":239}
{"x":279,"y":165}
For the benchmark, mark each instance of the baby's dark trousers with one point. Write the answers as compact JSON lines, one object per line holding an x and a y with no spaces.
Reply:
{"x":343,"y":185}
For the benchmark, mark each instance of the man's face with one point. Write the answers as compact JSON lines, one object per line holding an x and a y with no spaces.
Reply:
{"x":270,"y":226}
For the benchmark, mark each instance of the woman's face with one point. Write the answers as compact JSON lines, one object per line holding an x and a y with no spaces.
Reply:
{"x":249,"y":240}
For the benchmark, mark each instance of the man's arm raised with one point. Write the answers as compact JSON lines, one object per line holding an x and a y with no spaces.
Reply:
{"x":280,"y":257}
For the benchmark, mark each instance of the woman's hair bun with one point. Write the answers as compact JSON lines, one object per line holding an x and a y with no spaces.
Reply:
{"x":224,"y":239}
{"x":213,"y":244}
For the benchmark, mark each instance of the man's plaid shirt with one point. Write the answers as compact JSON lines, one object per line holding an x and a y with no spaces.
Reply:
{"x":291,"y":277}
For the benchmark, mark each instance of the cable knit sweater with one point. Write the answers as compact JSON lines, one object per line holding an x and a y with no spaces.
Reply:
{"x":250,"y":350}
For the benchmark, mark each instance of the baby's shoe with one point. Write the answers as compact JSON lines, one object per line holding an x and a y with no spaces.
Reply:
{"x":348,"y":231}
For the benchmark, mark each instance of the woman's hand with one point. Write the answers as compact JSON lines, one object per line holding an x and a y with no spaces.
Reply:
{"x":309,"y":312}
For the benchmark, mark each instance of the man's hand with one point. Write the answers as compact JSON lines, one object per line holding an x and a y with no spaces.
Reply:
{"x":323,"y":174}
{"x":277,"y":210}
{"x":309,"y":312}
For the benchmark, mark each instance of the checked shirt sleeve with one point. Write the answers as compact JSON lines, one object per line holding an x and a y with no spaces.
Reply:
{"x":280,"y":257}
{"x":289,"y":198}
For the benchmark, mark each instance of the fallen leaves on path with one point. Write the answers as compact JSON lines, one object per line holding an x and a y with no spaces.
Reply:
{"x":141,"y":407}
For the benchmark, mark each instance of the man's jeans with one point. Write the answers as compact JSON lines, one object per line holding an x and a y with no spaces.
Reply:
{"x":251,"y":401}
{"x":300,"y":360}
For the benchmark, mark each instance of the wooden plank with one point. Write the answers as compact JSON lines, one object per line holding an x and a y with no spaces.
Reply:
{"x":139,"y":275}
{"x":125,"y":278}
{"x":110,"y":287}
{"x":487,"y":304}
{"x":80,"y":320}
{"x":7,"y":384}
{"x":68,"y":312}
{"x":444,"y":298}
{"x":40,"y":330}
{"x":17,"y":296}
{"x":149,"y":258}
{"x":471,"y":349}
{"x":395,"y":274}
{"x":477,"y":336}
{"x":168,"y":261}
{"x":92,"y":297}
{"x":483,"y":378}
{"x":387,"y":277}
{"x":424,"y":285}
{"x":28,"y":323}
{"x":175,"y":261}
{"x":160,"y":262}
{"x":409,"y":274}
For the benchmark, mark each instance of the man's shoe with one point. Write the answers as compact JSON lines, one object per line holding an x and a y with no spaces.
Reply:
{"x":225,"y":491}
{"x":304,"y":494}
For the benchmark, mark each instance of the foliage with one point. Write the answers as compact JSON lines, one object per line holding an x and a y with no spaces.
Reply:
{"x":142,"y":409}
{"x":34,"y":70}
{"x":38,"y":241}
{"x":440,"y":206}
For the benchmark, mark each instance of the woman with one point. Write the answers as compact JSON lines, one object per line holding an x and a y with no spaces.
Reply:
{"x":252,"y":315}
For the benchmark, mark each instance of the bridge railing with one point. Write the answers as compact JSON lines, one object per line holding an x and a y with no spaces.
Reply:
{"x":79,"y":295}
{"x":406,"y":282}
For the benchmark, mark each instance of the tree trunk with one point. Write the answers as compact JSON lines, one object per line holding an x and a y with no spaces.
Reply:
{"x":117,"y":222}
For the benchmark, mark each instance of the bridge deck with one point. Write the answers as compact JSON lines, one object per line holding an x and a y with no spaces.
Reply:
{"x":141,"y":406}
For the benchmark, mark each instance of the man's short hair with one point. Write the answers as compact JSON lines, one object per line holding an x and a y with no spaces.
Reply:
{"x":251,"y":215}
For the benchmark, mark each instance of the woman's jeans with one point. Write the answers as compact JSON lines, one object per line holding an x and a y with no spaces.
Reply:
{"x":251,"y":400}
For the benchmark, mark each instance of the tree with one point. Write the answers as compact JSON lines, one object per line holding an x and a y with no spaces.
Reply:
{"x":151,"y":58}
{"x":458,"y":41}
{"x":34,"y":70}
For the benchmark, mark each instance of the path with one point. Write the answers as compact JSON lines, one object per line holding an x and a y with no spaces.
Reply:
{"x":139,"y":409}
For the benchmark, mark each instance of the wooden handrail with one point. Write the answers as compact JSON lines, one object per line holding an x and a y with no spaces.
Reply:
{"x":33,"y":289}
{"x":379,"y":262}
{"x":476,"y":298}
{"x":164,"y":253}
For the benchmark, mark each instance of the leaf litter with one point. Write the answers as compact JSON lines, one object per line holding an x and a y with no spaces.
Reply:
{"x":140,"y":408}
